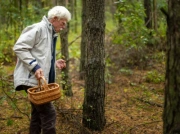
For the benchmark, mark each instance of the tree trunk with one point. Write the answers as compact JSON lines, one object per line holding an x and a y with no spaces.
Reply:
{"x":66,"y":84}
{"x":148,"y":12}
{"x":171,"y":114}
{"x":110,"y":6}
{"x":75,"y":17}
{"x":93,"y":106}
{"x":73,"y":7}
{"x":83,"y":40}
{"x":155,"y":14}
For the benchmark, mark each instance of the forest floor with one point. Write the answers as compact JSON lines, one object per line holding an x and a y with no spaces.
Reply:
{"x":133,"y":105}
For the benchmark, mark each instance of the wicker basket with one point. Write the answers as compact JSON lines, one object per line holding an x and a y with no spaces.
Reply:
{"x":44,"y":92}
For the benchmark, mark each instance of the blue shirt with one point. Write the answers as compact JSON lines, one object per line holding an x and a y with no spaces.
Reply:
{"x":52,"y":69}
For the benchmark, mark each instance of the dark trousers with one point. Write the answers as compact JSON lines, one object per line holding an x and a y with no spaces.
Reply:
{"x":43,"y":118}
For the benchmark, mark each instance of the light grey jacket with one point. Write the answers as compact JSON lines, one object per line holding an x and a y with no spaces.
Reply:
{"x":33,"y":47}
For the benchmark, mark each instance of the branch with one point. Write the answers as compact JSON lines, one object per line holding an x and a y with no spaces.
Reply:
{"x":70,"y":43}
{"x":149,"y":102}
{"x":74,"y":40}
{"x":144,"y":124}
{"x":13,"y":101}
{"x":17,"y":117}
{"x":164,"y":12}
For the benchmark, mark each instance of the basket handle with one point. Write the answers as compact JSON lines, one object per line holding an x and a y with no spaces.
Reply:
{"x":40,"y":83}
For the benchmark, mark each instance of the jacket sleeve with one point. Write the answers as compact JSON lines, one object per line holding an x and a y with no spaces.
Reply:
{"x":26,"y":42}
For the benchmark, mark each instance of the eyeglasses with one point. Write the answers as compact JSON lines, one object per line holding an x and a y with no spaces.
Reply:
{"x":64,"y":23}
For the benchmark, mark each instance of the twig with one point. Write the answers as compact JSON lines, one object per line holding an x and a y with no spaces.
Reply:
{"x":3,"y":118}
{"x":74,"y":40}
{"x":16,"y":117}
{"x":13,"y":101}
{"x":143,"y":124}
{"x":149,"y":102}
{"x":70,"y":43}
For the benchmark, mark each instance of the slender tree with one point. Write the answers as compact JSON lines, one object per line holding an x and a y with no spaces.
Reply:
{"x":66,"y":85}
{"x":93,"y":106}
{"x":171,"y":114}
{"x":83,"y":40}
{"x":75,"y":16}
{"x":73,"y":8}
{"x":148,"y":12}
{"x":155,"y":14}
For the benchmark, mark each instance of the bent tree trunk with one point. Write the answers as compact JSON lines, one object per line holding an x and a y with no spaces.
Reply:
{"x":93,"y":107}
{"x":171,"y":115}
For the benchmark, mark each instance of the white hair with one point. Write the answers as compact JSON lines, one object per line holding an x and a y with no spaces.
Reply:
{"x":60,"y":12}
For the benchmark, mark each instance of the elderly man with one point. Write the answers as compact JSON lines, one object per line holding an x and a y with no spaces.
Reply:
{"x":35,"y":50}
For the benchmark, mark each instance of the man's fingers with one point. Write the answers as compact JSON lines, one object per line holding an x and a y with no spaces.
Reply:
{"x":39,"y":73}
{"x":61,"y":64}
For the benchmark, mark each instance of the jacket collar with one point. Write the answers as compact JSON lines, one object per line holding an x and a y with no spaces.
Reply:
{"x":49,"y":25}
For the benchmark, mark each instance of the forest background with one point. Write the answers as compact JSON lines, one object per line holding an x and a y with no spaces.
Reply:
{"x":134,"y":74}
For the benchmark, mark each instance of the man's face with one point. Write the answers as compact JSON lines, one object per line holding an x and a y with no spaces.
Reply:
{"x":59,"y":24}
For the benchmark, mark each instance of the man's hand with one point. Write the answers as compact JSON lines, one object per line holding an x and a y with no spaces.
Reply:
{"x":60,"y":64}
{"x":39,"y":73}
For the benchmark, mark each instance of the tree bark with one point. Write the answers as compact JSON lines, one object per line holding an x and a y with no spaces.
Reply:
{"x":75,"y":17}
{"x":155,"y":14}
{"x":93,"y":106}
{"x":83,"y":41}
{"x":171,"y":113}
{"x":148,"y":12}
{"x":66,"y":84}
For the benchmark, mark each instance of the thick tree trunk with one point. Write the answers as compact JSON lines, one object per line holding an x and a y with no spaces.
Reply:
{"x":93,"y":107}
{"x":171,"y":114}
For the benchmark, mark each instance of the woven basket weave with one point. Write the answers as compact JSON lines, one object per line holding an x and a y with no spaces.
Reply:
{"x":44,"y":92}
